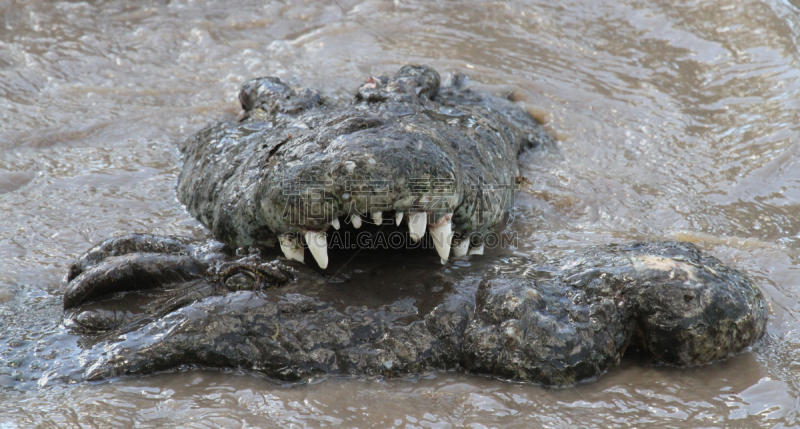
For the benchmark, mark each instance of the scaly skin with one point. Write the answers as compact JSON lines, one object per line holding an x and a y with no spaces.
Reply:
{"x":554,"y":323}
{"x":403,"y":145}
{"x":145,"y":303}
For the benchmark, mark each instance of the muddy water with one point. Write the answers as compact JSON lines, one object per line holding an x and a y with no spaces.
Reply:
{"x":675,"y":120}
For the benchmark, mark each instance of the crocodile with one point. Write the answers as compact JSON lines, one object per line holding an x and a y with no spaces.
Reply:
{"x":431,"y":166}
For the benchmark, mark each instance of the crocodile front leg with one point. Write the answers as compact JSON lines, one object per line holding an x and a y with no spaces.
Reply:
{"x":172,"y":272}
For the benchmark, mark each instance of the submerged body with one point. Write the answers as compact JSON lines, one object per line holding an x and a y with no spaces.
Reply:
{"x":554,"y":323}
{"x":406,"y":151}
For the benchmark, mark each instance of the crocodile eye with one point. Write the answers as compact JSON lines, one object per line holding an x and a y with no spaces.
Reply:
{"x":97,"y":321}
{"x":241,"y":281}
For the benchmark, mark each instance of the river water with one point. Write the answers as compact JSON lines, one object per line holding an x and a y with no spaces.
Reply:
{"x":675,"y":119}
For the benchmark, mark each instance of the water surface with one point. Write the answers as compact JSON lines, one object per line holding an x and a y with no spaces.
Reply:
{"x":675,"y":119}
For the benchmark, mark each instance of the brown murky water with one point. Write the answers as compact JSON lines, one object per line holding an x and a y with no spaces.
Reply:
{"x":676,"y":119}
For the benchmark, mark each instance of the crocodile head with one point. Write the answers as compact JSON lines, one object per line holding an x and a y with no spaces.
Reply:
{"x":405,"y":153}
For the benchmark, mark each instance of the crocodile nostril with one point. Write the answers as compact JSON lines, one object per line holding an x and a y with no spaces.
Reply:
{"x":241,"y":281}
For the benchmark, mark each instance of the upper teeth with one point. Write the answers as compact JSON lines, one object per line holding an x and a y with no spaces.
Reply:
{"x":318,"y":245}
{"x":291,"y":247}
{"x":442,"y":235}
{"x":478,"y":250}
{"x":417,"y":222}
{"x":460,"y":247}
{"x":356,"y":220}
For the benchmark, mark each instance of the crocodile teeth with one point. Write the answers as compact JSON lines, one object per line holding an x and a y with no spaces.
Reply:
{"x":460,"y":248}
{"x":478,"y":250}
{"x":398,"y":217}
{"x":356,"y":221}
{"x":335,"y":224}
{"x":442,"y":235}
{"x":318,"y":245}
{"x":377,"y":217}
{"x":417,"y":222}
{"x":291,"y":247}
